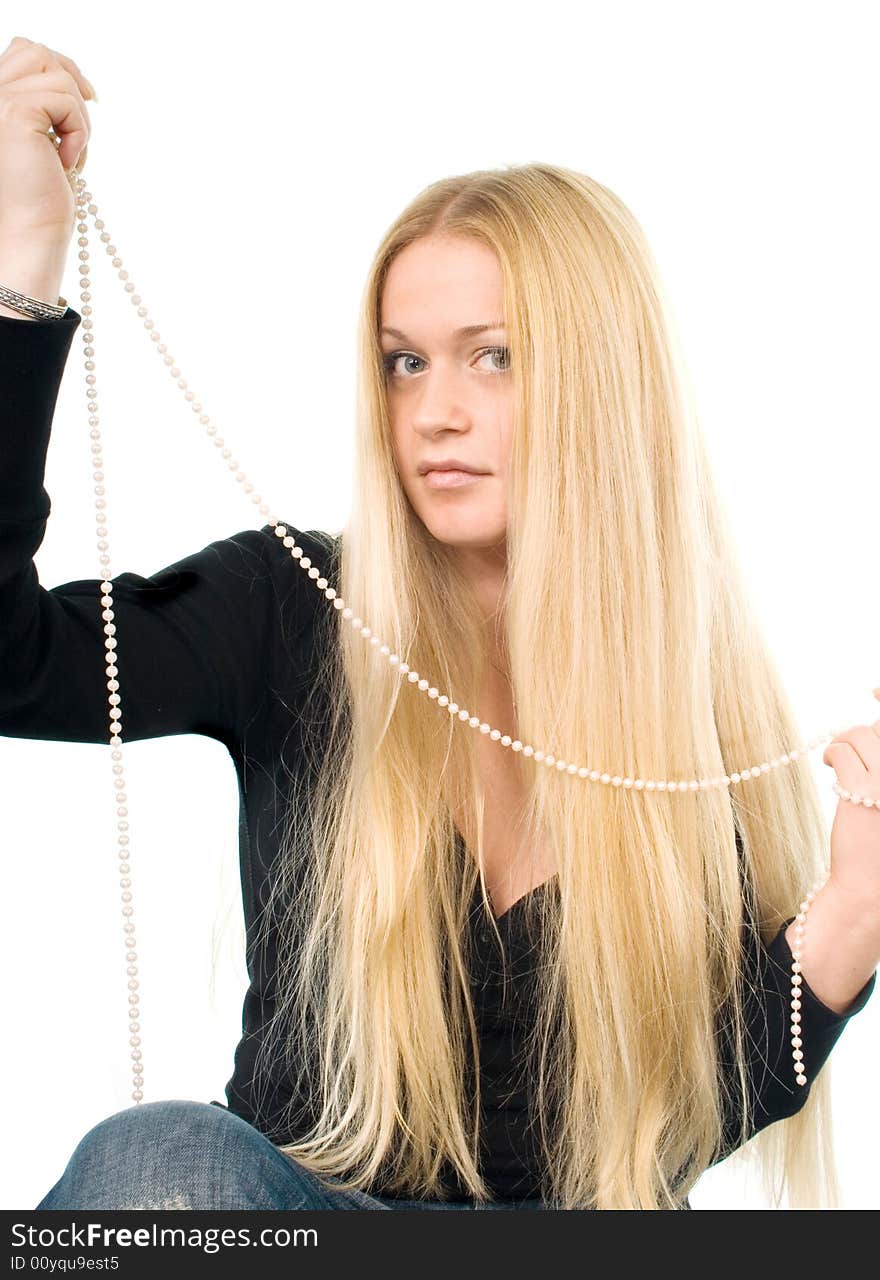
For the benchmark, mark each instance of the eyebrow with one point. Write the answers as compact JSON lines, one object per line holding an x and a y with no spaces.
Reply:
{"x":466,"y":330}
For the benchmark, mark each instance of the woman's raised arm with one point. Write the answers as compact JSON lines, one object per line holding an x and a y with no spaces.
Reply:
{"x":193,"y":637}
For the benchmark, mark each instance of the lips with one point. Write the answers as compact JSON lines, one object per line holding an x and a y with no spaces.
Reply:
{"x":449,"y":464}
{"x":450,"y":478}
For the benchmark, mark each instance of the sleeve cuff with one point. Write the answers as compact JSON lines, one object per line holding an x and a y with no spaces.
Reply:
{"x":33,"y":355}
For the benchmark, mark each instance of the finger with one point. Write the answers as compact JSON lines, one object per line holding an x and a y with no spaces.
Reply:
{"x":25,"y":52}
{"x":863,"y":742}
{"x":64,"y":116}
{"x":47,"y":69}
{"x":66,"y":124}
{"x":86,"y":87}
{"x":843,"y":758}
{"x":17,"y":59}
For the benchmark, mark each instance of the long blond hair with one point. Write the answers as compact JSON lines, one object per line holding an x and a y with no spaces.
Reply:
{"x":633,"y":648}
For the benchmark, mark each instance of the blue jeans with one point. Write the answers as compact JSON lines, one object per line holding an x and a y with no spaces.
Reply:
{"x":177,"y":1154}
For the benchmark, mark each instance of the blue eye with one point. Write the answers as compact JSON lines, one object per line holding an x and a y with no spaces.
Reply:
{"x":390,"y":360}
{"x":503,"y":351}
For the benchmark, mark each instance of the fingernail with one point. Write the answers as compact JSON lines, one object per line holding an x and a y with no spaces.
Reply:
{"x":92,"y":90}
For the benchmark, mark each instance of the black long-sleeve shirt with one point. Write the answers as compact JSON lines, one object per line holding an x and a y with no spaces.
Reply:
{"x":226,"y":642}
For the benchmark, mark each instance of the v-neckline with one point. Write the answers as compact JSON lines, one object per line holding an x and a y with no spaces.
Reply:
{"x":519,"y":902}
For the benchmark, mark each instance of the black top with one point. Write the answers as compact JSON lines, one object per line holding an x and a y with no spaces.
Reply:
{"x":226,"y":643}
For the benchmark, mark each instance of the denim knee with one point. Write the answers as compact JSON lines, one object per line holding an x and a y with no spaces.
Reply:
{"x":181,"y":1154}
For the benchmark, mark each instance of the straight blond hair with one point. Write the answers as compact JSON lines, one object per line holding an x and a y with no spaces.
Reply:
{"x":633,"y":647}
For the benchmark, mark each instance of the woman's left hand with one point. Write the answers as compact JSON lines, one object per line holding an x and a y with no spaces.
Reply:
{"x":855,"y":835}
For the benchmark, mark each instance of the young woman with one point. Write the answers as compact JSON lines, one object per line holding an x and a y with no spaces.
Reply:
{"x":475,"y":981}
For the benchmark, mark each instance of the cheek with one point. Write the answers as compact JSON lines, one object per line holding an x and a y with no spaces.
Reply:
{"x":397,"y":451}
{"x":505,"y":446}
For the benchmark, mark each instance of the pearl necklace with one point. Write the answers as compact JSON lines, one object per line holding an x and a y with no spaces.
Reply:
{"x":84,"y":204}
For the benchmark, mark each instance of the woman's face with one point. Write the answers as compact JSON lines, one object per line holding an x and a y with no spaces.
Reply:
{"x":449,"y":391}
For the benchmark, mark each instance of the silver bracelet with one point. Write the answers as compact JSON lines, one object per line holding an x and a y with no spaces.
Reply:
{"x":31,"y":306}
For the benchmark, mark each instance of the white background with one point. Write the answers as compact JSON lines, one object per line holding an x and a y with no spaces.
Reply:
{"x":246,"y":163}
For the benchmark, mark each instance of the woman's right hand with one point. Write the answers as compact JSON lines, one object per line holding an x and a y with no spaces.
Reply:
{"x":39,"y":89}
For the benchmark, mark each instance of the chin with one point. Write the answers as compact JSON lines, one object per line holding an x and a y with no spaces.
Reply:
{"x":472,"y":539}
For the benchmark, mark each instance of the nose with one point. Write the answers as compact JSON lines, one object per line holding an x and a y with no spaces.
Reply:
{"x":440,"y":402}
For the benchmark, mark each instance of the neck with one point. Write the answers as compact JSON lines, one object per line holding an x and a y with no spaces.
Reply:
{"x":485,"y":569}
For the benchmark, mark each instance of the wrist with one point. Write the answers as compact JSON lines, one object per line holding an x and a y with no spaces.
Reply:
{"x":841,"y":945}
{"x":32,"y":265}
{"x":854,"y":907}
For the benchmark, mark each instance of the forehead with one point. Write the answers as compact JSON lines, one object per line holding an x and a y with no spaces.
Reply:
{"x":437,"y":284}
